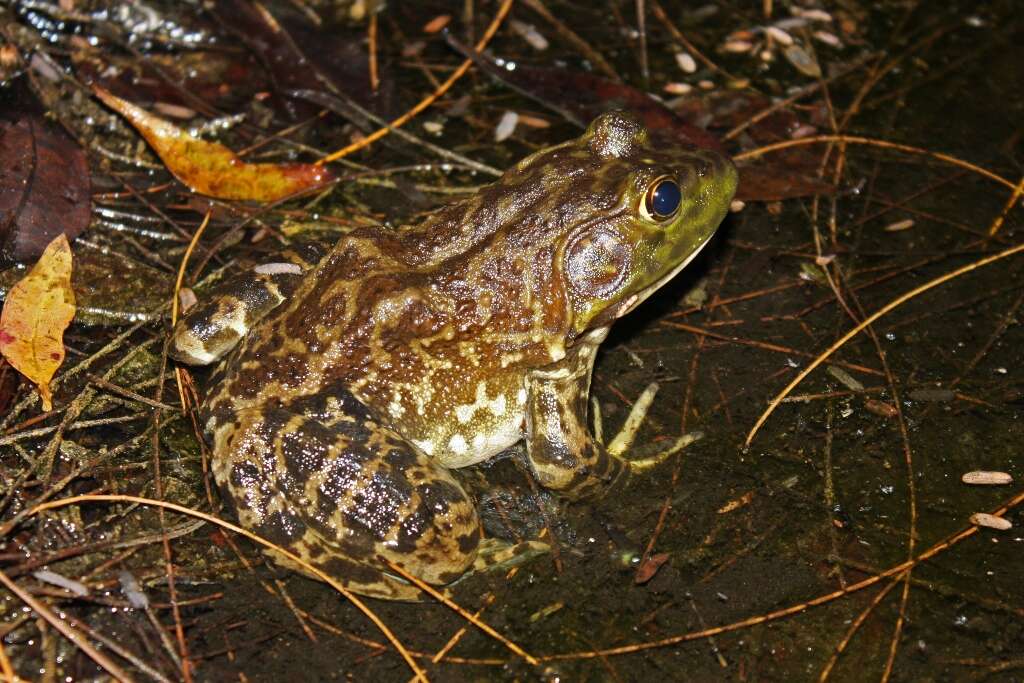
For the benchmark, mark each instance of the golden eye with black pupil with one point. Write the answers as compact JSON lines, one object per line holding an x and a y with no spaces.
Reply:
{"x":662,"y":199}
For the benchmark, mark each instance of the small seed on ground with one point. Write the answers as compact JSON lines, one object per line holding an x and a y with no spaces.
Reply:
{"x":983,"y":478}
{"x":990,"y":521}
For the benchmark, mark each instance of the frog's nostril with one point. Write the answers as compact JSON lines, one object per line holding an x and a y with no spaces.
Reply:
{"x":703,"y":167}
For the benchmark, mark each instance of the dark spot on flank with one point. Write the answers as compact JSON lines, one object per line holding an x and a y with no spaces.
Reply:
{"x":293,"y":368}
{"x":358,"y":433}
{"x":410,"y":532}
{"x":436,"y":499}
{"x":305,"y":449}
{"x":350,"y":571}
{"x":341,"y":474}
{"x":439,"y":495}
{"x":356,"y":545}
{"x":281,"y":528}
{"x":376,"y":505}
{"x":334,"y":308}
{"x":276,"y":339}
{"x":401,"y":459}
{"x":245,"y":476}
{"x":448,"y":577}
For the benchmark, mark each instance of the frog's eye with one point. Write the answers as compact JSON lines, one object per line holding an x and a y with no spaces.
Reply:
{"x":662,"y":199}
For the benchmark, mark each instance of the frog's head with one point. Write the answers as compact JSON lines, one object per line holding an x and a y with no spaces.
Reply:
{"x":652,"y":208}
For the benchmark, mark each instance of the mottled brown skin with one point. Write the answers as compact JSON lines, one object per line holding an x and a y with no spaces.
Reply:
{"x":405,"y":353}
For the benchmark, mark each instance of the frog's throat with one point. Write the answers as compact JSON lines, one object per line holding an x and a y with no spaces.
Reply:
{"x":636,"y":299}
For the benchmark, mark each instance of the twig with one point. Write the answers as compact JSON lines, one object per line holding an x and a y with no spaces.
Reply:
{"x":121,"y":498}
{"x":506,"y":5}
{"x":65,"y":630}
{"x":462,"y":611}
{"x":885,"y":144}
{"x":110,"y":386}
{"x":872,"y":318}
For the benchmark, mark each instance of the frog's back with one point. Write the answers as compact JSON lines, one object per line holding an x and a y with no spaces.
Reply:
{"x":380,"y":293}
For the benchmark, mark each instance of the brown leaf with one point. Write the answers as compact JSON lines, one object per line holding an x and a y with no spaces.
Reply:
{"x":301,"y":56}
{"x":44,"y":186}
{"x":36,"y":312}
{"x":649,"y":567}
{"x":212,"y":169}
{"x":580,"y":97}
{"x":774,"y":181}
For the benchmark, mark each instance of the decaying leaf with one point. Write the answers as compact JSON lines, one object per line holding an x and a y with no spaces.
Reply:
{"x":212,"y":169}
{"x":44,"y":185}
{"x":649,"y":567}
{"x":36,"y":312}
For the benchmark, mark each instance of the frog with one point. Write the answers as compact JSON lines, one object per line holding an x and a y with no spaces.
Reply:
{"x":351,"y":382}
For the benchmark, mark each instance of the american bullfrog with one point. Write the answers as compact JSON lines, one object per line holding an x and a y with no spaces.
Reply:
{"x":350,"y":385}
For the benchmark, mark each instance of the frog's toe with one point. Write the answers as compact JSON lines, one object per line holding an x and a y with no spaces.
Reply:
{"x":646,"y":463}
{"x":624,"y":439}
{"x":496,"y":554}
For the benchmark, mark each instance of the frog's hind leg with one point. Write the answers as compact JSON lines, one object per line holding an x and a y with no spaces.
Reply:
{"x":347,"y":496}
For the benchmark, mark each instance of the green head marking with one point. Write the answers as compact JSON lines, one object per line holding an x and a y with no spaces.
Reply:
{"x":664,"y":203}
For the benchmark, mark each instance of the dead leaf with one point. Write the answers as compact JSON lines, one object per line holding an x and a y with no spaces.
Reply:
{"x":880,"y":408}
{"x":736,"y":503}
{"x":775,"y":181}
{"x":111,"y":288}
{"x":44,"y":185}
{"x":212,"y":169}
{"x":649,"y":567}
{"x":36,"y":312}
{"x":437,"y":23}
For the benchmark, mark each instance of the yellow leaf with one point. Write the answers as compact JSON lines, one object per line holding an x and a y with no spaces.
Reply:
{"x":36,"y":312}
{"x":212,"y":169}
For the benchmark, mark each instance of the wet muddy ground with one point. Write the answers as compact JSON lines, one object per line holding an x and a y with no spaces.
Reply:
{"x":857,"y":471}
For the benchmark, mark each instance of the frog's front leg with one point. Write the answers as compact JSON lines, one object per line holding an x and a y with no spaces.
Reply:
{"x":214,"y":326}
{"x":563,"y":454}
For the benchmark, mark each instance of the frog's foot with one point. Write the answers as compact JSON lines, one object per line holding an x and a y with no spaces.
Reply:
{"x":495,"y":554}
{"x":358,"y":577}
{"x":627,"y":435}
{"x":214,"y":326}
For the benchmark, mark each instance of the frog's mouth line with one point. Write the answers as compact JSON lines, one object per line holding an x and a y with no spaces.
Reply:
{"x":638,"y":298}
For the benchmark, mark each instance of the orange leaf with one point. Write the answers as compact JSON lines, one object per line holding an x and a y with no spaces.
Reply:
{"x":37,"y":311}
{"x":212,"y":169}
